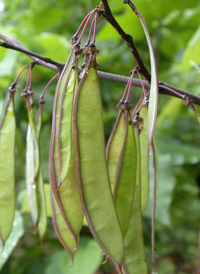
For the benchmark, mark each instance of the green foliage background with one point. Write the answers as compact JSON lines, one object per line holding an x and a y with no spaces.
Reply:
{"x":46,"y":27}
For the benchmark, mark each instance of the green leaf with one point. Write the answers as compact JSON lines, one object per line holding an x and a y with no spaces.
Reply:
{"x":175,"y":104}
{"x":192,"y":51}
{"x":87,"y":259}
{"x":53,"y":46}
{"x":13,"y":239}
{"x":8,"y":63}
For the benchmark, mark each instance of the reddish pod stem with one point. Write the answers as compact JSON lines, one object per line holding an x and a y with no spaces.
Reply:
{"x":95,"y":24}
{"x":90,"y":33}
{"x":95,"y":29}
{"x":16,"y":79}
{"x":28,"y":80}
{"x":173,"y":91}
{"x":138,"y":106}
{"x":48,"y":84}
{"x":129,"y":85}
{"x":142,"y":84}
{"x":125,"y":91}
{"x":41,"y":101}
{"x":88,"y":19}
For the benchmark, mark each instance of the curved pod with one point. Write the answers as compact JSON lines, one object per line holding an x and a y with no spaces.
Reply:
{"x":91,"y":169}
{"x":114,"y":146}
{"x":62,"y":151}
{"x":144,"y":149}
{"x":134,"y":258}
{"x":7,"y":167}
{"x":125,"y":177}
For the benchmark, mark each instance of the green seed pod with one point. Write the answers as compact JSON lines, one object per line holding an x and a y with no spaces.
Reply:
{"x":61,"y":121}
{"x":40,"y":194}
{"x":91,"y":169}
{"x":144,"y":149}
{"x":7,"y":166}
{"x":34,"y":179}
{"x":134,"y":258}
{"x":63,"y":234}
{"x":125,"y":177}
{"x":30,"y":176}
{"x":114,"y":147}
{"x":62,"y":151}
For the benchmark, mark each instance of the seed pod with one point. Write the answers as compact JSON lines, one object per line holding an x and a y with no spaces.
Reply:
{"x":40,"y":195}
{"x":134,"y":258}
{"x":91,"y":169}
{"x":7,"y":166}
{"x":63,"y":234}
{"x":61,"y":121}
{"x":62,"y":152}
{"x":123,"y":146}
{"x":34,"y":179}
{"x":30,"y":176}
{"x":114,"y":146}
{"x":144,"y":149}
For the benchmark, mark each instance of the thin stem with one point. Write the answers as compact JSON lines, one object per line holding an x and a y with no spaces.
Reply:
{"x":125,"y":91}
{"x":28,"y":80}
{"x":95,"y":29}
{"x":48,"y":84}
{"x":90,"y":33}
{"x":130,"y":84}
{"x":79,"y":28}
{"x":88,"y":19}
{"x":19,"y":74}
{"x":173,"y":91}
{"x":142,"y":84}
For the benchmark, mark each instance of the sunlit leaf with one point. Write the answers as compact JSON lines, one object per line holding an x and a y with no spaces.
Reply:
{"x":192,"y":51}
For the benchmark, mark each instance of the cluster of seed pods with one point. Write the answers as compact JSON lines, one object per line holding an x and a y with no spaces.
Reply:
{"x":108,"y":185}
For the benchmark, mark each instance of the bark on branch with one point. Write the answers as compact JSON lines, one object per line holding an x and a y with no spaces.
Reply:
{"x":57,"y":66}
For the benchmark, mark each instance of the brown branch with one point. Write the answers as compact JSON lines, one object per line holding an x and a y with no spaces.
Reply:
{"x":57,"y":66}
{"x":38,"y":59}
{"x":107,"y":14}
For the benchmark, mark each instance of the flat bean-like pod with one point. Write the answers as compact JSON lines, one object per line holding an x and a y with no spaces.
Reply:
{"x":62,"y":151}
{"x":40,"y":194}
{"x":91,"y":169}
{"x":30,"y":176}
{"x":33,"y":137}
{"x":144,"y":149}
{"x":134,"y":258}
{"x":114,"y":147}
{"x":63,"y":234}
{"x":7,"y":166}
{"x":125,"y":177}
{"x":61,"y":121}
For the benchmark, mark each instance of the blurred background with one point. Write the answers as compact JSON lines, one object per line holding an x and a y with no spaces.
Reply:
{"x":45,"y":27}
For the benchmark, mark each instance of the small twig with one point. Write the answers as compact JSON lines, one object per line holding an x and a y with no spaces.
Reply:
{"x":107,"y":14}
